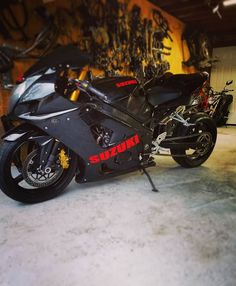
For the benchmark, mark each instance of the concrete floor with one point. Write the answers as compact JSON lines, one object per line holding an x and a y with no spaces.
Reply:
{"x":118,"y":232}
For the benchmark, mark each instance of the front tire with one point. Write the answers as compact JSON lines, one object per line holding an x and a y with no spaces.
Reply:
{"x":12,"y":181}
{"x":205,"y":125}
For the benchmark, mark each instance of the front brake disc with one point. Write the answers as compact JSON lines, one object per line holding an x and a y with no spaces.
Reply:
{"x":37,"y":177}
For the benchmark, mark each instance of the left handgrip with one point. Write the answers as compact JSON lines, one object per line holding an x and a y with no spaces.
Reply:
{"x":86,"y":86}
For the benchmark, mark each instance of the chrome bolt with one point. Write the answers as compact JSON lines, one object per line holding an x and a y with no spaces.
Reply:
{"x":146,"y":147}
{"x":48,"y":170}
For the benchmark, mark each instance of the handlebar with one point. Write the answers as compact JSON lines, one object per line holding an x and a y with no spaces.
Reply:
{"x":84,"y":85}
{"x":220,"y":92}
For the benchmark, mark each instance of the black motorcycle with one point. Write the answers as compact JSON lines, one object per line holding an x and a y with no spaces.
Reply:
{"x":93,"y":128}
{"x":219,"y":103}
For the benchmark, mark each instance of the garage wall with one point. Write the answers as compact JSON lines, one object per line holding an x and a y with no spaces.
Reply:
{"x":225,"y":70}
{"x":179,"y":51}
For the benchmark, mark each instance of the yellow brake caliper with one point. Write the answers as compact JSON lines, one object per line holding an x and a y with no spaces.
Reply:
{"x":64,"y":159}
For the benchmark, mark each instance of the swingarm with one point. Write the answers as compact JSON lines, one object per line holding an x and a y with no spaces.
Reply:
{"x":192,"y":142}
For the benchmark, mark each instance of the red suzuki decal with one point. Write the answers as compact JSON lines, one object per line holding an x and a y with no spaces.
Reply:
{"x":112,"y":152}
{"x":125,"y":83}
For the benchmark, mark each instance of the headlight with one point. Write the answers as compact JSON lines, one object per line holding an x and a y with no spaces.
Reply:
{"x":38,"y":91}
{"x":19,"y":90}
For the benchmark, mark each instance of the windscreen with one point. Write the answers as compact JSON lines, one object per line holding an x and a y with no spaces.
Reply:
{"x":64,"y":55}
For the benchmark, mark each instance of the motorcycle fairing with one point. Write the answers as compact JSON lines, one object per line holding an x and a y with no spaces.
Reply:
{"x":159,"y":95}
{"x":32,"y":89}
{"x":117,"y":150}
{"x":75,"y":129}
{"x":115,"y":88}
{"x":123,"y":93}
{"x":19,"y":131}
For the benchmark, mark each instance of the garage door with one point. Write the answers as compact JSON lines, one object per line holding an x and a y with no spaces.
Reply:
{"x":225,"y":70}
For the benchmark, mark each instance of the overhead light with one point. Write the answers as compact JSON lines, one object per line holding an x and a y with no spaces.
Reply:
{"x":216,"y":10}
{"x":229,"y":2}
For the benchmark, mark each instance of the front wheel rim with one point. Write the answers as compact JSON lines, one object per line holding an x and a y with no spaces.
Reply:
{"x":18,"y":174}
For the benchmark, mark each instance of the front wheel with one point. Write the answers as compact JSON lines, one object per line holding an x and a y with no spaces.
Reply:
{"x":206,"y":128}
{"x":22,"y":179}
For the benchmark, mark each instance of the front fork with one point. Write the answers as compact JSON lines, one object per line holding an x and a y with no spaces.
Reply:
{"x":75,"y":94}
{"x":49,"y":148}
{"x":53,"y":154}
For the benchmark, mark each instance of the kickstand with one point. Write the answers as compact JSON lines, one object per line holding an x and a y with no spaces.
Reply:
{"x":154,"y":189}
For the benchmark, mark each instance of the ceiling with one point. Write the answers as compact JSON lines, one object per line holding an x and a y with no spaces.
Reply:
{"x":199,"y":14}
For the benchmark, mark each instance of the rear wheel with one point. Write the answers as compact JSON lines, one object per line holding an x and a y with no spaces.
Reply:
{"x":21,"y":177}
{"x":205,"y":127}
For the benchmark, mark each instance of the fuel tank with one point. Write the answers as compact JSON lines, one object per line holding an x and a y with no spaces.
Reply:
{"x":115,"y":88}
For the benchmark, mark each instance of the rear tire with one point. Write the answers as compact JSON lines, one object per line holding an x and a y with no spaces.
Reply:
{"x":11,"y":187}
{"x":203,"y":124}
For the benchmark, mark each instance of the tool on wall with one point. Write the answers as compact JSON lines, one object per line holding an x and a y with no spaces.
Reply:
{"x":40,"y":46}
{"x":200,"y":49}
{"x":162,"y":24}
{"x":42,"y":43}
{"x":119,"y":40}
{"x":4,"y":32}
{"x":10,"y":21}
{"x":48,"y":36}
{"x":6,"y":63}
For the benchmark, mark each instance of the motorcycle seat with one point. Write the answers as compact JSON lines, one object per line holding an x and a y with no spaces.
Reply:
{"x":158,"y":95}
{"x":187,"y":83}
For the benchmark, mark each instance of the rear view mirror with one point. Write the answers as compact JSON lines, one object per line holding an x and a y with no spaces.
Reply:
{"x":228,"y":82}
